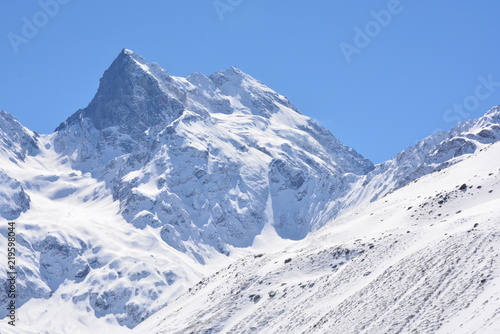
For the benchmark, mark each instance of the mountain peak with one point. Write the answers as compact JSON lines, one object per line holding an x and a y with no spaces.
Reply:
{"x":131,"y":96}
{"x":494,"y":111}
{"x":129,"y":54}
{"x":128,"y":61}
{"x":233,"y":75}
{"x":235,"y":71}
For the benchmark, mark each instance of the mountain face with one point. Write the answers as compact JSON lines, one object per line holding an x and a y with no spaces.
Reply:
{"x":162,"y":182}
{"x":210,"y":160}
{"x":16,"y":143}
{"x":431,"y":154}
{"x":423,"y":260}
{"x":13,"y":198}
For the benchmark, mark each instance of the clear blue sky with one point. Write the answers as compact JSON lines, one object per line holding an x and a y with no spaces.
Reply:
{"x":396,"y":88}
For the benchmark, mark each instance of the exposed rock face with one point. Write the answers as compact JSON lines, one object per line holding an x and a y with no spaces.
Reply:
{"x":16,"y":142}
{"x":13,"y":198}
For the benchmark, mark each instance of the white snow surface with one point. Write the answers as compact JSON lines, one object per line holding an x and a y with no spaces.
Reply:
{"x":212,"y":205}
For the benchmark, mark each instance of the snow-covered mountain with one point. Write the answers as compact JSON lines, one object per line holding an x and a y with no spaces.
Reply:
{"x":162,"y":182}
{"x":210,"y":160}
{"x":177,"y":172}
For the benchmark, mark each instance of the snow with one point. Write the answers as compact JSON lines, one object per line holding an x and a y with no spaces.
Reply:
{"x":211,"y":204}
{"x":84,"y":225}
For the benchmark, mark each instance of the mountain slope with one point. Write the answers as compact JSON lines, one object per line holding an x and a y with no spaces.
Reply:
{"x":433,"y":153}
{"x":425,"y":259}
{"x":211,"y":160}
{"x":16,"y":143}
{"x":80,"y":266}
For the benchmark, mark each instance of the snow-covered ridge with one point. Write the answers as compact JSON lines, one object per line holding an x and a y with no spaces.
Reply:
{"x":16,"y":143}
{"x":431,"y":154}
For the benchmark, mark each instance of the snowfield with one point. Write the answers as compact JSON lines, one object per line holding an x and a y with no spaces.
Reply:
{"x":210,"y":204}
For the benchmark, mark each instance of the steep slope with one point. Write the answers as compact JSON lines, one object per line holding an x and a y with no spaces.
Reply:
{"x":16,"y":143}
{"x":210,"y":160}
{"x":13,"y":198}
{"x":81,"y":268}
{"x":423,"y":259}
{"x":433,"y":153}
